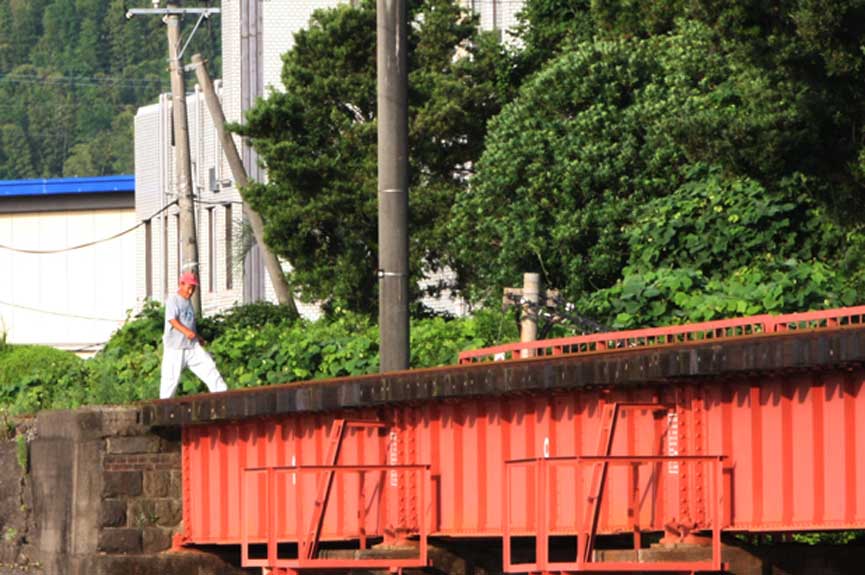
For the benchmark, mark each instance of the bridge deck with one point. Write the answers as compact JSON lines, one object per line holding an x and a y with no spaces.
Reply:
{"x":809,"y":349}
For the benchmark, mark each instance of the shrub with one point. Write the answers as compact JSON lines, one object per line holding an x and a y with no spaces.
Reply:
{"x":258,"y":344}
{"x":127,"y":368}
{"x":439,"y":341}
{"x":346,"y":345}
{"x":253,"y":315}
{"x":34,"y":377}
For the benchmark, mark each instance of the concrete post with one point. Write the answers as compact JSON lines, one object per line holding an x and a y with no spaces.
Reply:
{"x":393,"y":183}
{"x":531,"y":299}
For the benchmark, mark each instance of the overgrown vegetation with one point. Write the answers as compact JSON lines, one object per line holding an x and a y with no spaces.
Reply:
{"x":37,"y":377}
{"x":258,"y":344}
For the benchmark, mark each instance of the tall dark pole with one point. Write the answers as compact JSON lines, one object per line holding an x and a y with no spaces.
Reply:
{"x":392,"y":65}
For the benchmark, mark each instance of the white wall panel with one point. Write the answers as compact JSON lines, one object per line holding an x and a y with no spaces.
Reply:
{"x":73,"y":299}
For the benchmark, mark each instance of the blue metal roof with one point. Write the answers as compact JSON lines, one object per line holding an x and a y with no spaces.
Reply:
{"x":60,"y":186}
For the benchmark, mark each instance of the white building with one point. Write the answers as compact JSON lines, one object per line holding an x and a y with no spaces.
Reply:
{"x":218,"y":217}
{"x":67,"y":269}
{"x":255,"y":34}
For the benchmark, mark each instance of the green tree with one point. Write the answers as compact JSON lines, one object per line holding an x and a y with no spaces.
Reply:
{"x":109,"y":152}
{"x":70,"y":71}
{"x":16,"y":150}
{"x":89,"y":52}
{"x":7,"y":50}
{"x":318,"y":142}
{"x":715,"y":222}
{"x":811,"y":43}
{"x":56,"y":45}
{"x":26,"y":27}
{"x":720,"y":246}
{"x":603,"y":129}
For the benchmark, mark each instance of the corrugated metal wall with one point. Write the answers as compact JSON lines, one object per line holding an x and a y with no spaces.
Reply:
{"x":62,"y":299}
{"x":792,"y":443}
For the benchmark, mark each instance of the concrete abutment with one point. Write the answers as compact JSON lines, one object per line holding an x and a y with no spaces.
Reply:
{"x":106,"y":499}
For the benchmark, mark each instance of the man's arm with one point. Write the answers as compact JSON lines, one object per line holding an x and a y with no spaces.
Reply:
{"x":175,"y":323}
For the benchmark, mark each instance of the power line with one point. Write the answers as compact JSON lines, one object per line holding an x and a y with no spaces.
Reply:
{"x":62,"y":314}
{"x":80,"y":80}
{"x":88,"y":244}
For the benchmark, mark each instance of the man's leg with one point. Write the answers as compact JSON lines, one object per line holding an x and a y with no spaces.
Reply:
{"x":202,"y":365}
{"x":172,"y":366}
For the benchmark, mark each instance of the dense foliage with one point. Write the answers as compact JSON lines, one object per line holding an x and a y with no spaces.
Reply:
{"x":37,"y":377}
{"x":318,"y":141}
{"x":597,"y":133}
{"x":656,"y":162}
{"x":72,"y":73}
{"x":670,"y":166}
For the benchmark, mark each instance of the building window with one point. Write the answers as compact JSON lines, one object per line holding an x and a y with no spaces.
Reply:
{"x":211,"y":249}
{"x":164,"y":256}
{"x":148,"y":259}
{"x":177,"y":237}
{"x":229,"y":278}
{"x":212,"y":183}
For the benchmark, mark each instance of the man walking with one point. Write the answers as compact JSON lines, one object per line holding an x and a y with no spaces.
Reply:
{"x":182,"y":346}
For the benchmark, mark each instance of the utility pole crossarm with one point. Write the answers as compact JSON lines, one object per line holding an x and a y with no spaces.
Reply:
{"x":514,"y":297}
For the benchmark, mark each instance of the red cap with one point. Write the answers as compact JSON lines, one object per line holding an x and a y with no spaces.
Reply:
{"x":188,"y":278}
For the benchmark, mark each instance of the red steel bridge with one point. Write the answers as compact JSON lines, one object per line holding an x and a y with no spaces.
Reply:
{"x":680,"y":434}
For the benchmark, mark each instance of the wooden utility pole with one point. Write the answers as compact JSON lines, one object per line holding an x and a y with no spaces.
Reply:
{"x":238,"y":172}
{"x":391,"y":60}
{"x":188,"y":236}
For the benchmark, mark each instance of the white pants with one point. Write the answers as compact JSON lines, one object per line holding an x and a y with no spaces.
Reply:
{"x":196,"y":359}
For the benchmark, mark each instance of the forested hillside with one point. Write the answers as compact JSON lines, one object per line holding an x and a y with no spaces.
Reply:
{"x":72,"y":73}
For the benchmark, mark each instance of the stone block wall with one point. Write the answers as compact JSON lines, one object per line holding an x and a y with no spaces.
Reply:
{"x":141,"y":490}
{"x":106,"y":499}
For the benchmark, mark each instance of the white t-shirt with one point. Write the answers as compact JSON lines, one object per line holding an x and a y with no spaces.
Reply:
{"x":179,"y":308}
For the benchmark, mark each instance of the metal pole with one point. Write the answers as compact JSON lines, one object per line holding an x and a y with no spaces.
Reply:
{"x":238,"y":172}
{"x":392,"y":183}
{"x":531,"y":303}
{"x":188,"y":237}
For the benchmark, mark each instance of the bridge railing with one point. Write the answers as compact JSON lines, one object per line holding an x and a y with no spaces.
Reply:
{"x":693,"y":332}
